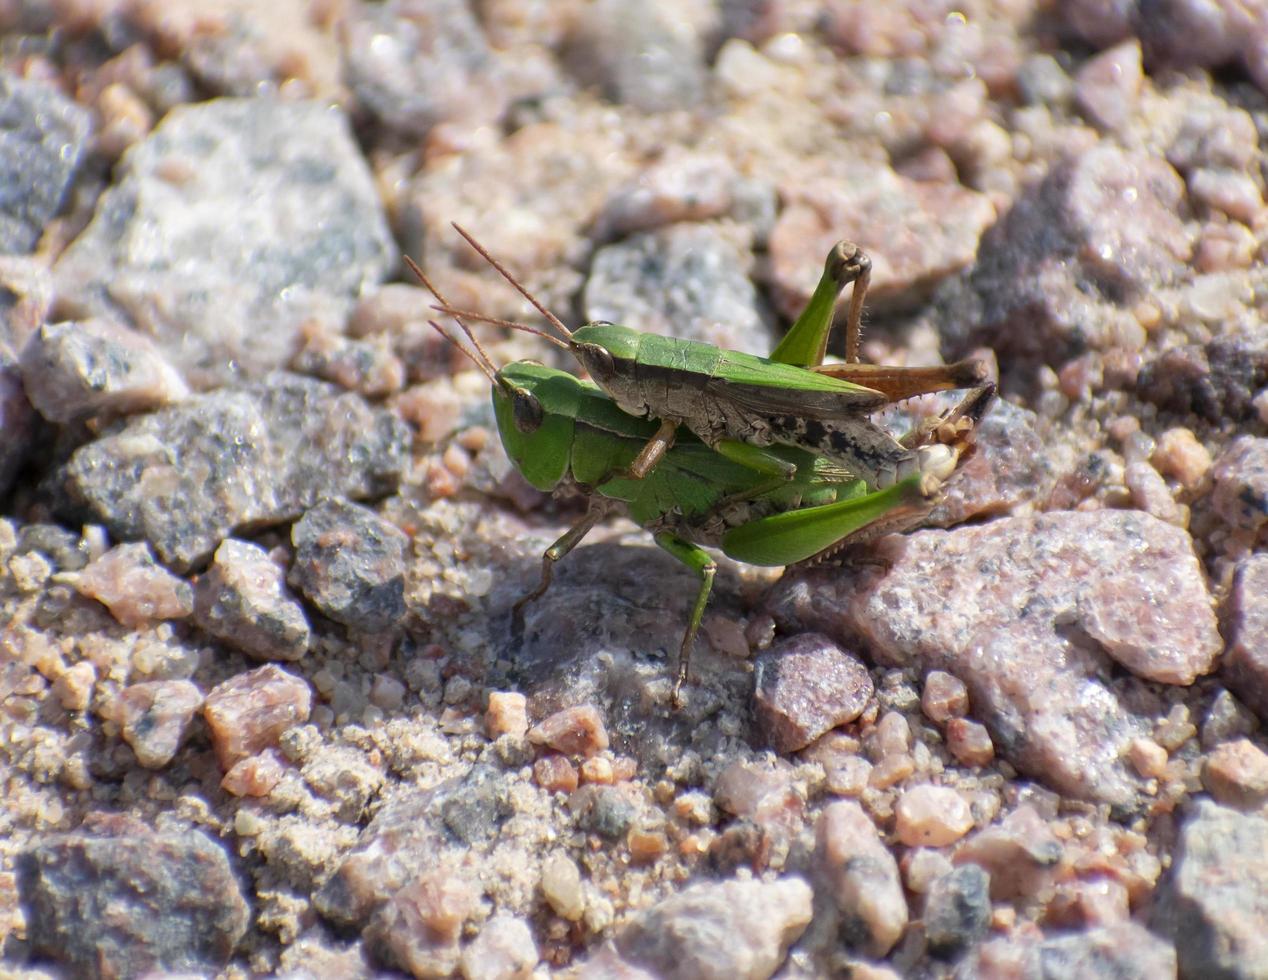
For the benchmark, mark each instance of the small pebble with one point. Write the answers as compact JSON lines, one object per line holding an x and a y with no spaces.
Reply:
{"x":1181,"y":457}
{"x":561,"y":887}
{"x":555,"y":774}
{"x":256,"y":775}
{"x":507,"y":714}
{"x":1148,"y":758}
{"x":572,"y":731}
{"x":249,"y":712}
{"x":944,"y":697}
{"x":1236,"y":774}
{"x":969,"y":742}
{"x":931,"y":816}
{"x":154,"y":718}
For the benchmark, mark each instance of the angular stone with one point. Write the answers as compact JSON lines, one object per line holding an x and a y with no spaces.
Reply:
{"x":862,"y":879}
{"x":1124,"y":951}
{"x":134,"y":587}
{"x":249,"y":713}
{"x":739,"y":929}
{"x":1236,"y":774}
{"x":1240,"y":494}
{"x":415,"y":65}
{"x":931,"y":816}
{"x":645,"y":55}
{"x":686,"y":281}
{"x":504,"y":950}
{"x":1213,"y":904}
{"x":309,"y":234}
{"x":186,"y":476}
{"x":76,"y":370}
{"x":1027,"y":611}
{"x":1245,"y":665}
{"x":419,"y":927}
{"x":1020,"y":854}
{"x":242,"y":599}
{"x":806,"y":686}
{"x":131,"y":903}
{"x":350,"y":564}
{"x":154,"y":718}
{"x":915,"y":232}
{"x":573,"y":731}
{"x":957,"y":910}
{"x":44,"y":138}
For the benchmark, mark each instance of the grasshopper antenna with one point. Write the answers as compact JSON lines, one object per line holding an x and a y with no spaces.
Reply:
{"x":553,"y":320}
{"x":460,"y":315}
{"x":483,"y":362}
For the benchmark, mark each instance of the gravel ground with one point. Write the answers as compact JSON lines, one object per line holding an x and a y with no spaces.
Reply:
{"x":264,"y":709}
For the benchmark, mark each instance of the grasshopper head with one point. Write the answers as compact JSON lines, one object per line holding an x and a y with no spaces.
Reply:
{"x":600,"y":345}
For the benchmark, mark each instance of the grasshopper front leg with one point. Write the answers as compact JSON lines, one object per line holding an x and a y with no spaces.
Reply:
{"x":596,"y":511}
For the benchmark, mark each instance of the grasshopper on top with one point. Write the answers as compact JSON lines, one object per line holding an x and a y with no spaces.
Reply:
{"x":740,"y":404}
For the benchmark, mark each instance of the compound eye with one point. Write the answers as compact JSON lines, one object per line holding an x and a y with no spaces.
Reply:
{"x":527,"y":412}
{"x":598,"y":361}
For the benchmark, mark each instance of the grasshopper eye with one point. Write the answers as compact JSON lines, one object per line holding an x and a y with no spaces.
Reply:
{"x":598,"y":362}
{"x":527,"y":411}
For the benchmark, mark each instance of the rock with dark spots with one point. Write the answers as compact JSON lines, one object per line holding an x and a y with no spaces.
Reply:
{"x":1122,"y":951}
{"x":608,"y":811}
{"x":805,"y":686}
{"x":1009,"y":469}
{"x":729,"y":930}
{"x":250,"y":712}
{"x":645,"y":55}
{"x":419,"y":926}
{"x":1245,"y":665}
{"x":229,"y":227}
{"x":1217,"y":381}
{"x":413,"y":65}
{"x":1213,"y":903}
{"x":134,"y":587}
{"x":915,"y":232}
{"x":44,"y":138}
{"x":1020,"y":854}
{"x":1051,"y":275}
{"x":76,"y":370}
{"x":769,"y":811}
{"x":17,"y":420}
{"x":186,"y":476}
{"x":685,"y":281}
{"x":1240,"y":494}
{"x":861,"y":879}
{"x":1029,"y":612}
{"x":154,"y":717}
{"x":134,"y":903}
{"x":578,"y":730}
{"x":957,"y":911}
{"x":474,"y":809}
{"x":350,"y":564}
{"x":242,"y":600}
{"x":67,"y":551}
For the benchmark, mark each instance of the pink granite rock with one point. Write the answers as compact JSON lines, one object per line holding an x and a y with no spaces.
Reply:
{"x":1245,"y":666}
{"x":806,"y":686}
{"x":134,"y":587}
{"x":249,"y":712}
{"x":861,"y":876}
{"x":154,"y":718}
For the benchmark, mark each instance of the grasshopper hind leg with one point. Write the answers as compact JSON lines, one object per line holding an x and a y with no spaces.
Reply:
{"x":700,"y":562}
{"x":596,"y":511}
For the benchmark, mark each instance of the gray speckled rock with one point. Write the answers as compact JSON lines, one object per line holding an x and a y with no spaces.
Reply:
{"x":75,"y":370}
{"x":683,"y":281}
{"x":17,"y":420}
{"x":242,"y":599}
{"x":1214,"y":903}
{"x":644,"y":54}
{"x":957,"y":910}
{"x":350,"y":564}
{"x":1245,"y":666}
{"x":1217,"y":380}
{"x":1240,"y":494}
{"x":186,"y":476}
{"x":1123,"y":951}
{"x":132,"y":902}
{"x":806,"y":686}
{"x":413,"y":65}
{"x":228,"y":227}
{"x":1050,"y":276}
{"x":43,"y":135}
{"x":861,"y":878}
{"x":1027,"y":612}
{"x":729,"y":930}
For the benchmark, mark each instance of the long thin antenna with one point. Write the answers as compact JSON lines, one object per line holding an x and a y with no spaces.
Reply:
{"x":553,"y":320}
{"x":484,"y":362}
{"x":458,"y":315}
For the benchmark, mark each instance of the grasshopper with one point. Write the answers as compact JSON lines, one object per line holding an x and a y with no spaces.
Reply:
{"x":740,"y":405}
{"x":563,"y":432}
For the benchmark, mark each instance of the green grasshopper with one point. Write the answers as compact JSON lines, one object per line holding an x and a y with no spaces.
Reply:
{"x":560,"y":431}
{"x":741,"y":405}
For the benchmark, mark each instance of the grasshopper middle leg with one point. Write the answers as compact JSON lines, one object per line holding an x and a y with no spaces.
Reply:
{"x":597,"y":510}
{"x":699,"y":561}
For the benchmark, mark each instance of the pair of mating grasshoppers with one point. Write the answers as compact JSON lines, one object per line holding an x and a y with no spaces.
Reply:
{"x":780,"y":462}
